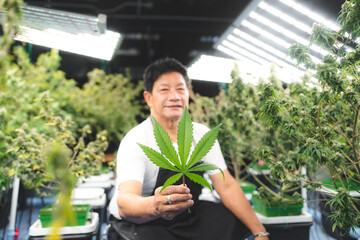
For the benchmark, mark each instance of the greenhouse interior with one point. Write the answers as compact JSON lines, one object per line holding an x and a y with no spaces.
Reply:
{"x":264,"y":94}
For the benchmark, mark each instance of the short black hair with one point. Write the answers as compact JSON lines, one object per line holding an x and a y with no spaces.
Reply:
{"x":161,"y":66}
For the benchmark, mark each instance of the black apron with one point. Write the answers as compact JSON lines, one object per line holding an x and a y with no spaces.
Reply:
{"x":207,"y":220}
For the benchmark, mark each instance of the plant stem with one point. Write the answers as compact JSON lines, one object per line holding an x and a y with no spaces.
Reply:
{"x":183,"y":179}
{"x":319,"y":125}
{"x":266,"y":187}
{"x":235,"y":168}
{"x":333,"y":174}
{"x":354,"y":134}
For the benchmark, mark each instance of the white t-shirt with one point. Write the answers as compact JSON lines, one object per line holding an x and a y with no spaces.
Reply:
{"x":133,"y":164}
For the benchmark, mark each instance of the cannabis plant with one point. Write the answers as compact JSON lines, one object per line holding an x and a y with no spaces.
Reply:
{"x":29,"y":144}
{"x":324,"y":119}
{"x":58,"y":157}
{"x":12,"y":18}
{"x":182,"y":162}
{"x":107,"y":102}
{"x":235,"y":107}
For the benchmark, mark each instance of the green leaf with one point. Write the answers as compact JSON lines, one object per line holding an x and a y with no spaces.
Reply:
{"x":205,"y":167}
{"x":198,"y":179}
{"x":171,"y":180}
{"x":164,"y":142}
{"x":204,"y":146}
{"x":184,"y":136}
{"x":157,"y":158}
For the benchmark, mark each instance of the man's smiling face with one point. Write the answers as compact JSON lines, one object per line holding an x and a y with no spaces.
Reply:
{"x":169,"y":97}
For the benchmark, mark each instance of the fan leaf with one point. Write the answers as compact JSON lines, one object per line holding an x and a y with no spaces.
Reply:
{"x":164,"y":142}
{"x":184,"y":136}
{"x":205,"y":167}
{"x":157,"y":158}
{"x":171,"y":180}
{"x":198,"y":179}
{"x":204,"y":146}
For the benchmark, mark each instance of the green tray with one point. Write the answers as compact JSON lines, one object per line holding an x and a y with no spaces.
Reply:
{"x":279,"y":210}
{"x":81,"y":211}
{"x":354,"y":186}
{"x":247,"y":187}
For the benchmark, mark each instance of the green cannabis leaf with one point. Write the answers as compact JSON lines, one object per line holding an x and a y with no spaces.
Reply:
{"x":180,"y":161}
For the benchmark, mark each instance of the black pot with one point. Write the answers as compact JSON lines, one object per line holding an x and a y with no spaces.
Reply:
{"x":327,"y":222}
{"x":5,"y":204}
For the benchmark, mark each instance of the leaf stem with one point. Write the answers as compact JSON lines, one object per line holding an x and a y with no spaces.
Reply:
{"x":183,"y":179}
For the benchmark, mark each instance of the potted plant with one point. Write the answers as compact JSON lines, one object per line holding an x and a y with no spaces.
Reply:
{"x":235,"y":108}
{"x":107,"y":102}
{"x":256,"y":152}
{"x":324,"y":119}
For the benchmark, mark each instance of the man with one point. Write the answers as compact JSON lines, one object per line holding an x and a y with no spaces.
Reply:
{"x":140,"y":211}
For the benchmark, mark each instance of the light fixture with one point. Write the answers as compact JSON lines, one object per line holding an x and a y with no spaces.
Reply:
{"x":70,"y":32}
{"x":293,"y":36}
{"x":218,"y":69}
{"x":261,"y":44}
{"x":245,"y":52}
{"x":266,"y":29}
{"x":313,"y":15}
{"x":211,"y":68}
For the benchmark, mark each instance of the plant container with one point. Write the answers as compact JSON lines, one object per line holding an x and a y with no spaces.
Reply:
{"x":326,"y":211}
{"x":287,"y":227}
{"x":247,"y":187}
{"x":85,"y":232}
{"x":281,"y":209}
{"x":81,"y":211}
{"x":5,"y":204}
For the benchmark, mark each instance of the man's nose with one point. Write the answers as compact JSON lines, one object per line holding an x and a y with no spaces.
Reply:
{"x":174,"y":95}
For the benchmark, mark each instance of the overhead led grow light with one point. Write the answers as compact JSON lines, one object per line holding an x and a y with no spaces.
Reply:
{"x":218,"y":69}
{"x":66,"y":31}
{"x":265,"y":30}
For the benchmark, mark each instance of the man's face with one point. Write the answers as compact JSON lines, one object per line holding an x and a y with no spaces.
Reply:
{"x":169,"y":97}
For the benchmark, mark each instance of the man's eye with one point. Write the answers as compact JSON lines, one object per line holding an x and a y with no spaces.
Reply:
{"x":163,"y":89}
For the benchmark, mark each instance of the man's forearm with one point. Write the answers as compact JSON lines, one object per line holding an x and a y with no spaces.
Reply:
{"x":137,"y":209}
{"x":234,"y":199}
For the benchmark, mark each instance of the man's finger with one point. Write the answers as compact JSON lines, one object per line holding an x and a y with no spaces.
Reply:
{"x":175,"y":189}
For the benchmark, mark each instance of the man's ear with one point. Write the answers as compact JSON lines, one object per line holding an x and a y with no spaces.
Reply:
{"x":147,"y":97}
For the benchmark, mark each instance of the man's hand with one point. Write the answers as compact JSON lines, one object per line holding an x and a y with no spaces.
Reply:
{"x":172,"y":201}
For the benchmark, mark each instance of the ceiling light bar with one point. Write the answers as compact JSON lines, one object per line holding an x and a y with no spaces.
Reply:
{"x":101,"y":47}
{"x":44,"y":18}
{"x":248,"y":47}
{"x":263,"y":38}
{"x":314,"y":16}
{"x":271,"y":37}
{"x":67,"y":31}
{"x":235,"y":55}
{"x":288,"y":33}
{"x":263,"y":45}
{"x":218,"y":69}
{"x":272,"y":59}
{"x":211,"y":68}
{"x":265,"y":33}
{"x":290,"y":20}
{"x":245,"y":52}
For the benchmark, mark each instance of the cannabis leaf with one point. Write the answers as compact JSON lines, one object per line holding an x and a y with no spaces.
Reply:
{"x":180,"y":161}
